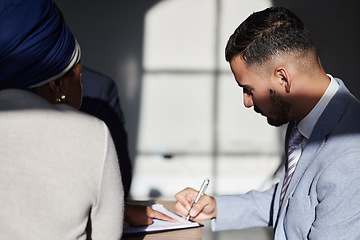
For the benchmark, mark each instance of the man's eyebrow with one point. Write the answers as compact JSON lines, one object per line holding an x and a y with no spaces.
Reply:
{"x":244,"y":86}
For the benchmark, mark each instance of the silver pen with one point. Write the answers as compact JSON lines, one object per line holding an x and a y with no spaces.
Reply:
{"x":201,"y":192}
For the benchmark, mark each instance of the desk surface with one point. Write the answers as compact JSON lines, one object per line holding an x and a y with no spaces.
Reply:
{"x":189,"y":234}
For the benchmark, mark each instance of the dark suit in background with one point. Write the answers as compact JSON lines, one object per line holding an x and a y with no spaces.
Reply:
{"x":100,"y":99}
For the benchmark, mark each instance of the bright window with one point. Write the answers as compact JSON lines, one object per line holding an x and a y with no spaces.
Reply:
{"x":192,"y":122}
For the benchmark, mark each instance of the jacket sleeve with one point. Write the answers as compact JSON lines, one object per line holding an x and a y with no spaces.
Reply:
{"x":253,"y":209}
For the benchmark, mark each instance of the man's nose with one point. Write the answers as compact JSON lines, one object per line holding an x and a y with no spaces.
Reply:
{"x":248,"y":101}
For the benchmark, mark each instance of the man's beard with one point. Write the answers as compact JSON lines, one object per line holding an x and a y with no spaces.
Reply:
{"x":279,"y":111}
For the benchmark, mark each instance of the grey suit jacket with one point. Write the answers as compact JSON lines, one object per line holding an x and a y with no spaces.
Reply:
{"x":323,"y":198}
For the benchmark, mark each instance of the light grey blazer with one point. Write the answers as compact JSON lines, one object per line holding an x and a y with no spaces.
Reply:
{"x":323,"y":198}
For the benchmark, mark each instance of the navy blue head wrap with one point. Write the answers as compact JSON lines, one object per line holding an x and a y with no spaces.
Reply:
{"x":36,"y":46}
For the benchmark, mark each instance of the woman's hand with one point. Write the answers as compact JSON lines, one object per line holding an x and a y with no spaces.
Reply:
{"x":139,"y":215}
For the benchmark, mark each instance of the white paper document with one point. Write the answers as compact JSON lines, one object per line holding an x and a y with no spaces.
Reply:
{"x":160,"y":225}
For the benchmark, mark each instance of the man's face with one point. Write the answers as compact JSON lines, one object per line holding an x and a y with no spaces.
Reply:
{"x":260,"y":93}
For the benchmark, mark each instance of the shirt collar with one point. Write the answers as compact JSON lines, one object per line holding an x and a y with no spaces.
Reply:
{"x":306,"y":125}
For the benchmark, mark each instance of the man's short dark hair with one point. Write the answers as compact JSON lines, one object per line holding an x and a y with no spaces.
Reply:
{"x":267,"y":33}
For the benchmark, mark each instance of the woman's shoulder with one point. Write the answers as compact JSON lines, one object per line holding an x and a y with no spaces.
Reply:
{"x":31,"y":107}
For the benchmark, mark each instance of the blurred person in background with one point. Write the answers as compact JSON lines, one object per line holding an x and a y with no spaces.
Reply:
{"x":101,"y":99}
{"x":277,"y":65}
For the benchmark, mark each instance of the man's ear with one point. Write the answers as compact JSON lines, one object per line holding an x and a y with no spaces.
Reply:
{"x":283,"y":76}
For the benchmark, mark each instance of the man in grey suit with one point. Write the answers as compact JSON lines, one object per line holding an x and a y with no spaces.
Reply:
{"x":274,"y":60}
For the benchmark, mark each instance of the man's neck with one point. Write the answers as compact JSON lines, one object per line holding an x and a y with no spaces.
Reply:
{"x":312,"y":89}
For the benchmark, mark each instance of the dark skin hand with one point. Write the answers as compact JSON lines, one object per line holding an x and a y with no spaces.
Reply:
{"x":140,"y":215}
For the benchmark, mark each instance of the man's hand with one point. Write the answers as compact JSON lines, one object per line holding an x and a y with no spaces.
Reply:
{"x":204,"y":209}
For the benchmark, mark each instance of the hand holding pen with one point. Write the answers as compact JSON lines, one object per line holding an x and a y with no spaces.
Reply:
{"x":200,"y":193}
{"x":192,"y":206}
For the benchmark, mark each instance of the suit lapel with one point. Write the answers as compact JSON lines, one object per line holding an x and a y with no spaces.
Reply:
{"x":325,"y":124}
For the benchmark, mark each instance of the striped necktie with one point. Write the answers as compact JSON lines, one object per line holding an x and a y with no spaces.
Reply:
{"x":294,"y":151}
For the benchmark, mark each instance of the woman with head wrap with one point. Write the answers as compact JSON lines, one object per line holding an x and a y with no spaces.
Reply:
{"x":59,"y":176}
